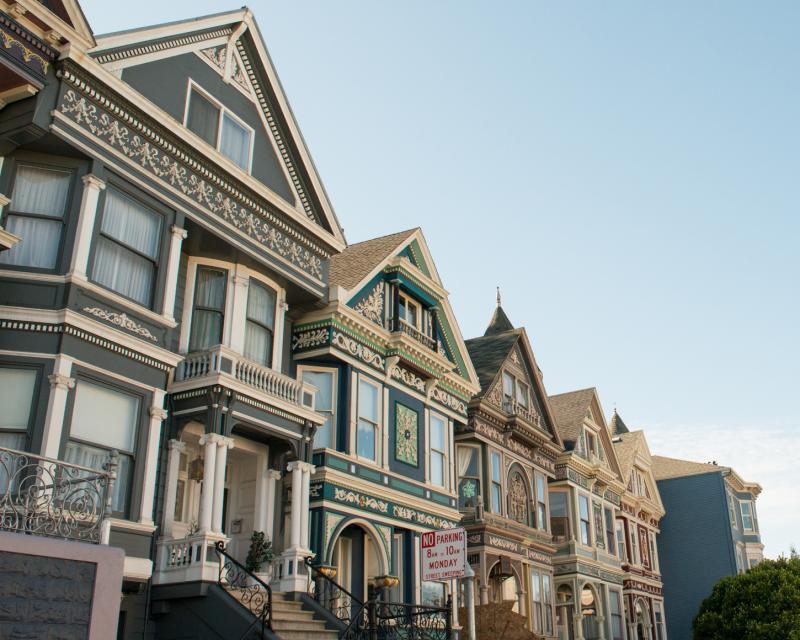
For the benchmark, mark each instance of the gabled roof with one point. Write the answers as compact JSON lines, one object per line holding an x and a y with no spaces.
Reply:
{"x":233,"y":41}
{"x":357,"y":261}
{"x":570,"y":409}
{"x":488,"y":353}
{"x":616,"y":425}
{"x":665,"y":468}
{"x":628,"y":446}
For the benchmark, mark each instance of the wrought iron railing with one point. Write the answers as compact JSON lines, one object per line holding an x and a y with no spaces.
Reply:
{"x":396,"y":324}
{"x":332,"y":596}
{"x":246,"y":588}
{"x":47,"y":497}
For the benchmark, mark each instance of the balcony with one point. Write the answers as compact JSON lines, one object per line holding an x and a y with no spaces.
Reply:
{"x":515,"y":409}
{"x":188,"y":559}
{"x":221,"y":365}
{"x":396,"y":325}
{"x":46,"y":497}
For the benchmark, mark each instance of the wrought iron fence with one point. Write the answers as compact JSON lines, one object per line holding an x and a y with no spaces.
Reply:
{"x":247,"y":588}
{"x":333,"y":596}
{"x":47,"y":497}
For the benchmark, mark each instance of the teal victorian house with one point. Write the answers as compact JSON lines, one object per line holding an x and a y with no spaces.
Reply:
{"x":394,"y":379}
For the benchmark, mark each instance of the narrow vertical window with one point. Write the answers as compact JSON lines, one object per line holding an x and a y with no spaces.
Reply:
{"x":621,"y":550}
{"x":209,"y":308}
{"x":609,"y":517}
{"x":203,"y":117}
{"x":522,"y":394}
{"x":438,"y":450}
{"x":541,"y":502}
{"x":748,"y":521}
{"x":616,"y":615}
{"x":367,"y":430}
{"x":559,"y":516}
{"x":17,"y":387}
{"x":469,"y":476}
{"x":536,"y":596}
{"x":234,"y":142}
{"x":497,"y":487}
{"x":36,"y":214}
{"x":731,"y":510}
{"x":658,"y":612}
{"x":547,"y":596}
{"x":508,"y":387}
{"x":325,"y":404}
{"x":586,"y":525}
{"x":260,"y":325}
{"x":126,"y":254}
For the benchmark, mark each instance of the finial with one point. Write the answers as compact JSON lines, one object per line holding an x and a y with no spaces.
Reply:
{"x":498,"y":296}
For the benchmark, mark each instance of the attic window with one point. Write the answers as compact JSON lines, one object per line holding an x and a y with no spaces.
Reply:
{"x":215,"y":124}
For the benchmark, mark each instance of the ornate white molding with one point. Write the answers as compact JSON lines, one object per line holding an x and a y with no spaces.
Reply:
{"x":357,"y":349}
{"x":158,"y":412}
{"x":311,"y":338}
{"x":60,"y":381}
{"x":121,"y":320}
{"x":371,"y":306}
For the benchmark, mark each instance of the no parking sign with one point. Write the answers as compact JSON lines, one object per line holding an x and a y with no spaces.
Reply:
{"x":444,"y":554}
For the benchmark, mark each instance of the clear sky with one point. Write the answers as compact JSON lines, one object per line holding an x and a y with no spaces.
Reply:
{"x":626,"y":172}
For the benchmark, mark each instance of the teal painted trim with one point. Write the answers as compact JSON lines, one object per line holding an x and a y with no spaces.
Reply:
{"x":365,"y":291}
{"x":406,"y":486}
{"x":337,"y":463}
{"x":413,"y":288}
{"x":369,"y":474}
{"x":441,"y":499}
{"x":414,"y":250}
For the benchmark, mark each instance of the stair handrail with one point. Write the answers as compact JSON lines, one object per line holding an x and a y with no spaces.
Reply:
{"x":256,"y":594}
{"x":327,"y":592}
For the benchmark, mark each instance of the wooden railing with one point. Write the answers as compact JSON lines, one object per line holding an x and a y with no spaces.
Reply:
{"x":397,"y":325}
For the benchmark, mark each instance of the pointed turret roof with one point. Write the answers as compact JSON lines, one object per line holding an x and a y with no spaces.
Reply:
{"x":499,"y":323}
{"x":617,"y":426}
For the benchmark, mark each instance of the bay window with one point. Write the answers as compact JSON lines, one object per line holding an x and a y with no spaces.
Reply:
{"x":469,"y":476}
{"x":559,"y":516}
{"x":438,"y":450}
{"x":621,"y":547}
{"x":537,"y":597}
{"x":748,"y":515}
{"x":17,"y":389}
{"x":609,"y":517}
{"x":215,"y":124}
{"x":368,"y":423}
{"x":408,"y":310}
{"x":658,"y":614}
{"x":260,"y":324}
{"x":585,"y":523}
{"x":616,"y":615}
{"x":126,"y":253}
{"x":208,"y":312}
{"x":325,"y":383}
{"x":731,"y":510}
{"x":651,"y":535}
{"x":541,"y":502}
{"x":36,"y":214}
{"x":104,"y":419}
{"x":497,"y":487}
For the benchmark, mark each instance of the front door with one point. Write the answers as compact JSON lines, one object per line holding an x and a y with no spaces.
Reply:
{"x":241,"y":489}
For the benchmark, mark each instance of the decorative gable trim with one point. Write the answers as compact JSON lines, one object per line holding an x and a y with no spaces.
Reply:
{"x":119,"y":55}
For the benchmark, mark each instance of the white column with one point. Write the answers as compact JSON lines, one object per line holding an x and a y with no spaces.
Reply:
{"x":273,"y":476}
{"x":176,"y":448}
{"x":92,"y":186}
{"x":297,"y":502}
{"x":262,"y":488}
{"x":209,"y":442}
{"x":157,"y":416}
{"x":308,"y":469}
{"x":60,"y":384}
{"x":238,"y":317}
{"x":223,"y":444}
{"x":173,"y":263}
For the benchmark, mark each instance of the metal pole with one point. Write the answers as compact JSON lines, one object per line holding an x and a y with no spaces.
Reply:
{"x":449,"y":623}
{"x":469,"y":596}
{"x":105,"y":525}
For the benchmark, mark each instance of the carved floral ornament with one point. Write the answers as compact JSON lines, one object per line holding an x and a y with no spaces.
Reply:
{"x":121,"y":320}
{"x":218,"y":55}
{"x":209,"y":192}
{"x":406,"y":429}
{"x":371,"y":306}
{"x":10,"y":42}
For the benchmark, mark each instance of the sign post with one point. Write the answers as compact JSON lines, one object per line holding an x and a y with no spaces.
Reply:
{"x":444,"y":557}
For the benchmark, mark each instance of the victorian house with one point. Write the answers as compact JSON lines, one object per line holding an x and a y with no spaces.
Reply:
{"x":164,"y":228}
{"x":393,"y":380}
{"x":505,"y":456}
{"x":637,"y":528}
{"x":585,"y":501}
{"x":710,"y":531}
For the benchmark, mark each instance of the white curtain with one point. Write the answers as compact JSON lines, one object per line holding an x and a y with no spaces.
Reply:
{"x":123,"y":271}
{"x":131,"y":224}
{"x":260,"y":323}
{"x":94,"y":458}
{"x":235,"y":141}
{"x":104,"y":416}
{"x":16,"y":397}
{"x":40,"y":191}
{"x":209,"y":309}
{"x":464,"y":459}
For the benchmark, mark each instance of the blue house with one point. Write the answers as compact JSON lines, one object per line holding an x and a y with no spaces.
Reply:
{"x":710,"y":531}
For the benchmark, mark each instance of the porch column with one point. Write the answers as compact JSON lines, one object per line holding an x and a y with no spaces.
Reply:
{"x":223,"y":444}
{"x":273,"y":476}
{"x":308,"y":469}
{"x":297,"y":502}
{"x":157,"y":416}
{"x":209,"y":442}
{"x":176,"y":447}
{"x":292,"y":573}
{"x":173,"y":262}
{"x":60,"y":384}
{"x":92,"y":186}
{"x":238,"y":312}
{"x":260,"y":510}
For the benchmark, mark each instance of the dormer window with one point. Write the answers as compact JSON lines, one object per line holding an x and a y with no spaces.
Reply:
{"x":408,"y":310}
{"x":591,"y":442}
{"x":515,"y":390}
{"x":218,"y":126}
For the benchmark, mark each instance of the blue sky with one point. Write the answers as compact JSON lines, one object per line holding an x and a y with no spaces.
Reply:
{"x":627,"y":173}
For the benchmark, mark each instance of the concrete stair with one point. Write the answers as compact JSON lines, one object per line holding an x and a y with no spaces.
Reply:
{"x":291,"y":622}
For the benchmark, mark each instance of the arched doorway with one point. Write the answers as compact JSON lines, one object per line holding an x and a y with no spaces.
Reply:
{"x":641,"y":620}
{"x":504,"y":585}
{"x":590,"y":610}
{"x":565,"y":610}
{"x":358,"y":558}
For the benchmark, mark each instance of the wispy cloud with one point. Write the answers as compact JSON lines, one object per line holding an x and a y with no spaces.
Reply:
{"x":767,"y":455}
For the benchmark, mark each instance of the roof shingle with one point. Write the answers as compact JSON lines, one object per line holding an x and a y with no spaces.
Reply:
{"x":665,"y":468}
{"x":352,"y":265}
{"x":570,"y":410}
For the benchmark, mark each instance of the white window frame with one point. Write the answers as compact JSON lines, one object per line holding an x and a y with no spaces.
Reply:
{"x":405,"y":300}
{"x":590,"y":519}
{"x":619,"y":527}
{"x":651,"y":537}
{"x":542,"y":499}
{"x":496,"y":508}
{"x":194,"y":86}
{"x":379,"y":427}
{"x":240,"y":323}
{"x":754,"y":527}
{"x":334,"y":396}
{"x":445,"y":454}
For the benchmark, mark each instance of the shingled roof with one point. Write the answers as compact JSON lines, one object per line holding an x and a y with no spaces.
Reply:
{"x":488,"y":353}
{"x":665,"y":468}
{"x":570,"y":409}
{"x":617,"y":426}
{"x":352,"y":265}
{"x":625,"y":446}
{"x":499,"y":323}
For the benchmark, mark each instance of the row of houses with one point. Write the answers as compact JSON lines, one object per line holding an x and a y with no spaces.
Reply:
{"x":177,"y":297}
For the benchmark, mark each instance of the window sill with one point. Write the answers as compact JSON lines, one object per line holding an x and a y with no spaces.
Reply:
{"x":122,"y":301}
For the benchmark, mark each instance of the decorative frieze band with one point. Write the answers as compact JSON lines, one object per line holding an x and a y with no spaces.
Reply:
{"x":121,"y":320}
{"x":158,"y":157}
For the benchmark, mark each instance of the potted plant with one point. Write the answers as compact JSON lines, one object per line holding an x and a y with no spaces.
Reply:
{"x":260,"y":554}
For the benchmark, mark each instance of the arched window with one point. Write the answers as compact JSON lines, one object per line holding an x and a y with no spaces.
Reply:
{"x":518,"y":498}
{"x":589,"y":611}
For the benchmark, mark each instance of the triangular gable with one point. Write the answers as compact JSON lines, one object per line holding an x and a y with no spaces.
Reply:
{"x":637,"y":455}
{"x":357,"y":269}
{"x":414,"y":255}
{"x":605,"y":434}
{"x":231,"y":44}
{"x":61,"y":18}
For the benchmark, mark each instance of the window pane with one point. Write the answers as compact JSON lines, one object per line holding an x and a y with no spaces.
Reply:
{"x":39,"y":244}
{"x":522,"y":394}
{"x":42,"y":191}
{"x":123,"y":271}
{"x":437,"y":432}
{"x":323,"y":381}
{"x":86,"y":456}
{"x":437,"y":468}
{"x":203,"y":118}
{"x":367,"y":401}
{"x":433,"y":594}
{"x":496,"y":498}
{"x":131,"y":223}
{"x":206,"y":329}
{"x":10,"y":441}
{"x":261,"y":304}
{"x":209,"y":289}
{"x":104,"y":416}
{"x":365,"y":440}
{"x":508,"y":385}
{"x":235,"y":142}
{"x":495,"y":466}
{"x":16,"y":397}
{"x":258,"y":343}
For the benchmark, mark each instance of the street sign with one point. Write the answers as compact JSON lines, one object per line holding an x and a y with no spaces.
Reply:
{"x":444,"y":554}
